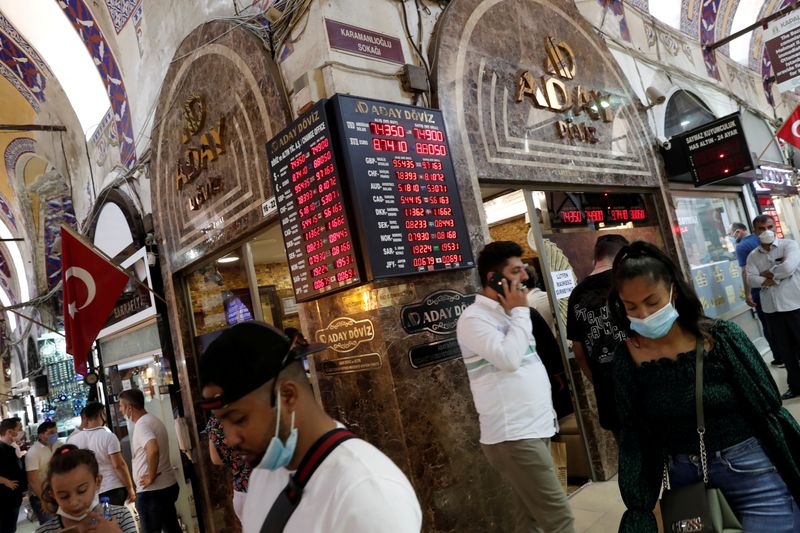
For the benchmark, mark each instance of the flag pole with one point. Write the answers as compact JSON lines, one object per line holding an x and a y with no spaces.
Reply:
{"x":26,"y":317}
{"x":769,"y":143}
{"x":102,"y":255}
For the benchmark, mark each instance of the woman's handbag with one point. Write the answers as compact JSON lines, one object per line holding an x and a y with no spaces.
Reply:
{"x":696,"y":508}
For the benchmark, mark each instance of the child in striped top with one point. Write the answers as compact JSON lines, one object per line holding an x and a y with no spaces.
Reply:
{"x":70,"y":490}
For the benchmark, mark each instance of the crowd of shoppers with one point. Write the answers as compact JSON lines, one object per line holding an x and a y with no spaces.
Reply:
{"x":637,"y":329}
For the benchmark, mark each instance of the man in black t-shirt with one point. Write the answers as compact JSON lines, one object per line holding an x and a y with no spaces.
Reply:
{"x":593,"y":334}
{"x":12,"y":476}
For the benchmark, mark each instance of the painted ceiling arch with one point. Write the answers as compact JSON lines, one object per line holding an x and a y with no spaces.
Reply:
{"x":32,"y":204}
{"x":709,"y":21}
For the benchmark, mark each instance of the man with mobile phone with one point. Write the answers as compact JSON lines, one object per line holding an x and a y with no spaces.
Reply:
{"x":511,"y":390}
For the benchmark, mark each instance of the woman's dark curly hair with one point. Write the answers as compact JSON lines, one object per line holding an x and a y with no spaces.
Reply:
{"x":642,"y":259}
{"x":66,"y":459}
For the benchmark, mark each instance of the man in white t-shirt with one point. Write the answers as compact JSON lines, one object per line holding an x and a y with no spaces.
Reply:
{"x":117,"y":485}
{"x":511,"y":390}
{"x":254,"y":382}
{"x":36,"y":462}
{"x":156,"y":485}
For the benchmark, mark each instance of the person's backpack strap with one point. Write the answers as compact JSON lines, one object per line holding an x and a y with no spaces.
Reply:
{"x":290,"y":497}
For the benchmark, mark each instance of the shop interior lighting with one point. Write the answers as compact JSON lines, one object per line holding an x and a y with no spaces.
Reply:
{"x":228,"y":259}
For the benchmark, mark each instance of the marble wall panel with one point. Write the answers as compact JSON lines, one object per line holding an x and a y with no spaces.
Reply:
{"x":423,"y":419}
{"x":228,"y":67}
{"x":483,"y":48}
{"x":238,"y":83}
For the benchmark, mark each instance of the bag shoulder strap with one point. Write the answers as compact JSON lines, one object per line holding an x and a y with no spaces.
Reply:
{"x":698,"y":405}
{"x":698,"y":409}
{"x":289,"y":498}
{"x":698,"y":385}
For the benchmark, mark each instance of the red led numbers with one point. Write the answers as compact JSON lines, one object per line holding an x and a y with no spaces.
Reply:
{"x":390,"y":145}
{"x":387,"y":130}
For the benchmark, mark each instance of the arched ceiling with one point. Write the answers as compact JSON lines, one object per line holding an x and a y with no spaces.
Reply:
{"x":709,"y":21}
{"x":31,"y":92}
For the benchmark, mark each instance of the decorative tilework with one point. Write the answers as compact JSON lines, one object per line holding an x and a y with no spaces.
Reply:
{"x":757,"y":42}
{"x":11,"y":76}
{"x":726,"y":7}
{"x":708,"y":33}
{"x":15,"y":149}
{"x":84,"y":23}
{"x":23,"y":66}
{"x":9,"y":29}
{"x":766,"y":71}
{"x":617,"y":8}
{"x":58,"y":211}
{"x":101,"y":128}
{"x":689,"y":20}
{"x":120,"y":11}
{"x":644,"y":5}
{"x":4,"y":268}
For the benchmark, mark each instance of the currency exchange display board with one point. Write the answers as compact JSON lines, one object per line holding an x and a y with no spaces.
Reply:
{"x":403,"y":188}
{"x":366,"y":190}
{"x":311,"y":205}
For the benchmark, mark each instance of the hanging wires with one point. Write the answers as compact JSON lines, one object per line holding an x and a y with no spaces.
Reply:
{"x":416,"y":48}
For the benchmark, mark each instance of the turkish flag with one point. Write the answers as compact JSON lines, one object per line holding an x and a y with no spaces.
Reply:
{"x":91,"y":286}
{"x":790,"y":131}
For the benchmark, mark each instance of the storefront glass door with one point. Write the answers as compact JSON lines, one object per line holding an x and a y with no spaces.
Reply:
{"x":558,"y":231}
{"x":704,"y":221}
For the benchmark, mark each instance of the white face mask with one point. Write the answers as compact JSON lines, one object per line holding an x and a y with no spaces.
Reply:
{"x":95,"y":503}
{"x":767,"y":236}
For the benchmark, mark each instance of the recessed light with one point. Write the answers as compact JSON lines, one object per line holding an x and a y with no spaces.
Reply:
{"x":228,"y":259}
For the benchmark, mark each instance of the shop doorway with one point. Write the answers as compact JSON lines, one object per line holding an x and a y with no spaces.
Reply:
{"x":558,"y":231}
{"x":250,"y":282}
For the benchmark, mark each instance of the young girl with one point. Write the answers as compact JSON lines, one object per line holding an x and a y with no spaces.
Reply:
{"x":71,"y":487}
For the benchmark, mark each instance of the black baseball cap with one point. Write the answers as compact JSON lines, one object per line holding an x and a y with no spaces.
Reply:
{"x":245,"y":357}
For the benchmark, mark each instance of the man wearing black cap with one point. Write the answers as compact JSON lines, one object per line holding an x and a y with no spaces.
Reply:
{"x":310,"y":474}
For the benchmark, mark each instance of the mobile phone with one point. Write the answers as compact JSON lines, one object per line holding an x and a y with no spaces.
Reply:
{"x":496,"y":282}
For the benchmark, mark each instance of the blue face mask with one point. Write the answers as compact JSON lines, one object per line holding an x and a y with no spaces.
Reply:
{"x":52,"y":439}
{"x":279,"y":454}
{"x":658,"y":324}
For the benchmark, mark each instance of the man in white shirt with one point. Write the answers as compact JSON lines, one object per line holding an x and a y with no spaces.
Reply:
{"x":254,"y":382}
{"x":156,"y":485}
{"x":116,"y":485}
{"x":772,"y":267}
{"x":511,"y":390}
{"x":36,"y":462}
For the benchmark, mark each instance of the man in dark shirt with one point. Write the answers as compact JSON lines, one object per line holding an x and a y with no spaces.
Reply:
{"x":745,"y":243}
{"x":12,"y":477}
{"x":593,"y":334}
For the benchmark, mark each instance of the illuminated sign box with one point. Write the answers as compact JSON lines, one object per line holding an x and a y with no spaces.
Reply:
{"x":403,"y":187}
{"x":718,"y":152}
{"x":311,"y":205}
{"x":376,"y":174}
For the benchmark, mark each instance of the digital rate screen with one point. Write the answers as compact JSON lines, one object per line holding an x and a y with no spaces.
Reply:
{"x":311,"y":206}
{"x":401,"y":180}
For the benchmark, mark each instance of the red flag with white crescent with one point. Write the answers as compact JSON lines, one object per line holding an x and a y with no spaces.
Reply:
{"x":91,"y":286}
{"x":790,"y":131}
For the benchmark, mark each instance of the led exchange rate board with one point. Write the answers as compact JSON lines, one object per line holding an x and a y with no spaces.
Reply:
{"x":311,"y":206}
{"x":401,"y":180}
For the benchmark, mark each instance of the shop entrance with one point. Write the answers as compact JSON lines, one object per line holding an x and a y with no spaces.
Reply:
{"x":250,"y":282}
{"x":558,"y":231}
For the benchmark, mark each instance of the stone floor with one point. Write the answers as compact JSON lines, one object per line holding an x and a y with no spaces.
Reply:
{"x":598,"y":507}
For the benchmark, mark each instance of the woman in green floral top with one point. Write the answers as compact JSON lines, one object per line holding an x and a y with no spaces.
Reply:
{"x":753,"y":443}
